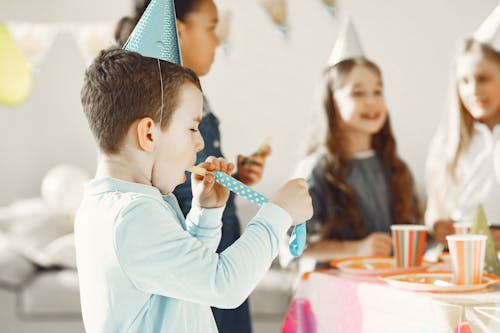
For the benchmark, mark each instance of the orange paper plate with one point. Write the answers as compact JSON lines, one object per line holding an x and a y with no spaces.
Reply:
{"x":372,"y":265}
{"x":434,"y":282}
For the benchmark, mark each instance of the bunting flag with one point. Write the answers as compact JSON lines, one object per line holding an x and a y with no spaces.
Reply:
{"x":331,"y":6}
{"x":91,"y":38}
{"x":33,"y":39}
{"x":222,"y":30}
{"x":277,"y":10}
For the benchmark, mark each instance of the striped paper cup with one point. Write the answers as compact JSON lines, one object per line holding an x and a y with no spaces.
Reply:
{"x":462,"y":227}
{"x":467,"y":257}
{"x":409,"y":244}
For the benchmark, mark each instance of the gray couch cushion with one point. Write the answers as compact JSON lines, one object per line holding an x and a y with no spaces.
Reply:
{"x":14,"y":268}
{"x":51,"y":293}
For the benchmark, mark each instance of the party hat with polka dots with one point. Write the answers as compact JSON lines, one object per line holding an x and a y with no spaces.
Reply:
{"x":298,"y":238}
{"x":155,"y":35}
{"x":481,"y":227}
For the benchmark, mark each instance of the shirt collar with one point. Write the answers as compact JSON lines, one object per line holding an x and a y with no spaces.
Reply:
{"x":108,"y":184}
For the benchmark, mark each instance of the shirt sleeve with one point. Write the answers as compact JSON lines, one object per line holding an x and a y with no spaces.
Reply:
{"x":205,"y":225}
{"x":159,"y":257}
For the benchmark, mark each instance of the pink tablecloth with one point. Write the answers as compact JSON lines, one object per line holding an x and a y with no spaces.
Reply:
{"x":330,"y":302}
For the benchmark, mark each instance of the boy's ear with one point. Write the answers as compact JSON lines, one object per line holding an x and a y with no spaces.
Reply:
{"x":145,"y":134}
{"x":180,"y":28}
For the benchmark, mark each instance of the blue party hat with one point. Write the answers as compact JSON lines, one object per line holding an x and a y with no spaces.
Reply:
{"x":155,"y":35}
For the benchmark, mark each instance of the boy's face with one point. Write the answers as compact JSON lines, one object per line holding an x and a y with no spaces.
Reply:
{"x":177,"y":146}
{"x":361,"y":102}
{"x":479,"y":86}
{"x":197,"y":37}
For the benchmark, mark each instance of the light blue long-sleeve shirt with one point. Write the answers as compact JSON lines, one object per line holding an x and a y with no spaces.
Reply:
{"x":143,"y":268}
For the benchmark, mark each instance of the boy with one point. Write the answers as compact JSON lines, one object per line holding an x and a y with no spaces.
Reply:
{"x":142,"y":267}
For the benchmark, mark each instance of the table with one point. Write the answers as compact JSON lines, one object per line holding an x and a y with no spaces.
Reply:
{"x":329,"y":301}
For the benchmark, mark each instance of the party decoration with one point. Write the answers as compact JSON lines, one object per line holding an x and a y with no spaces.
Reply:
{"x":277,"y":10}
{"x":62,"y":188}
{"x":155,"y":35}
{"x":15,"y":74}
{"x":300,"y":317}
{"x":222,"y":30}
{"x":298,"y":237}
{"x":331,"y":6}
{"x":347,"y":44}
{"x":489,"y":31}
{"x":91,"y":38}
{"x":480,"y":226}
{"x":35,"y":39}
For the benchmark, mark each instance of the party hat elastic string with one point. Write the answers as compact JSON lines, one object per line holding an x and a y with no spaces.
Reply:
{"x":161,"y":87}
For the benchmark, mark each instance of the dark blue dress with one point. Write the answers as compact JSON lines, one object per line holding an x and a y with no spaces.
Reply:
{"x":228,"y":320}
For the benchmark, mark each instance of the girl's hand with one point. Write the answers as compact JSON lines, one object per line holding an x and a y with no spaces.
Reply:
{"x":250,"y":168}
{"x":496,"y":237}
{"x":443,"y":228}
{"x":207,"y":193}
{"x":375,"y":244}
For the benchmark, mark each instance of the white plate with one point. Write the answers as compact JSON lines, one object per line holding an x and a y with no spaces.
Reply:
{"x":372,"y":266}
{"x":434,"y":282}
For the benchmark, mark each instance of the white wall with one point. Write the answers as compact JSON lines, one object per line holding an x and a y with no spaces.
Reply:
{"x":262,"y":87}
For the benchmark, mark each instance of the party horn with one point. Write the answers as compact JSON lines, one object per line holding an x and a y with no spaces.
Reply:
{"x":298,"y":238}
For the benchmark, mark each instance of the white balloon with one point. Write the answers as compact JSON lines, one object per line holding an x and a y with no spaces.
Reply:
{"x":62,"y":187}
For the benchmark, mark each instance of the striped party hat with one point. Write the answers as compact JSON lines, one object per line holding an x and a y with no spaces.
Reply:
{"x":155,"y":35}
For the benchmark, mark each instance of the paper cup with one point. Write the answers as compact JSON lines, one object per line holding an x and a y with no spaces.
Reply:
{"x":462,"y":227}
{"x":409,"y":244}
{"x":467,"y":258}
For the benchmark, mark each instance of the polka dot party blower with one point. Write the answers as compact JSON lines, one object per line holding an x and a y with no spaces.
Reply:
{"x":297,"y":240}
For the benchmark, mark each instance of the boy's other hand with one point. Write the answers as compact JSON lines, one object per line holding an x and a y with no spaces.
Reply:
{"x":207,"y":193}
{"x":295,"y":199}
{"x":250,"y":168}
{"x":375,"y":244}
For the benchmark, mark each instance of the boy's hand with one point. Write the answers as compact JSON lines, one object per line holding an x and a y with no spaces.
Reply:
{"x":250,"y":168}
{"x":206,"y":192}
{"x":295,"y":199}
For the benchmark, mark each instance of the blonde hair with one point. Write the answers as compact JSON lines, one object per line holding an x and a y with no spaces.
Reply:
{"x":453,"y":136}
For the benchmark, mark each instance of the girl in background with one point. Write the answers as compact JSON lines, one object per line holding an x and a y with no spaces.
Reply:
{"x":463,"y":166}
{"x":359,"y":184}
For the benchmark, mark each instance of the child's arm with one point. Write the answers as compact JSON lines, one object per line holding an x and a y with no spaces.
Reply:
{"x":205,"y":225}
{"x":375,"y":244}
{"x":203,"y":222}
{"x":160,"y":257}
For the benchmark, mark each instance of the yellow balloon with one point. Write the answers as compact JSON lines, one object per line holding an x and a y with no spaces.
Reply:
{"x":15,"y":74}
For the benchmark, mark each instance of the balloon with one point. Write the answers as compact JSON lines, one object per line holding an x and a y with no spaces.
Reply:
{"x":62,"y":187}
{"x":15,"y":74}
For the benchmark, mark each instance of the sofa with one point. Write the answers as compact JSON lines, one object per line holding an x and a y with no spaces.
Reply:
{"x":37,"y":297}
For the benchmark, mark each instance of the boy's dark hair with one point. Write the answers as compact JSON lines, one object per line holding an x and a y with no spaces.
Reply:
{"x":122,"y":86}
